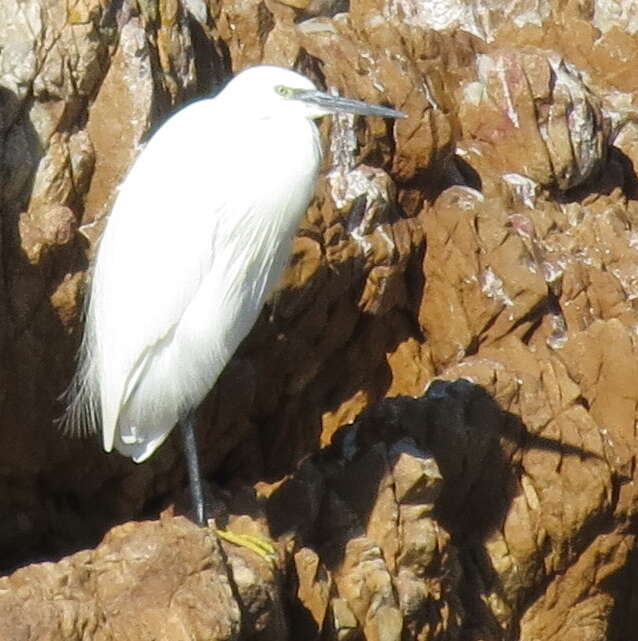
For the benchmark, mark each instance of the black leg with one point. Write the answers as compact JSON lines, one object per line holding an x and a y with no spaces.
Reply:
{"x":187,"y":425}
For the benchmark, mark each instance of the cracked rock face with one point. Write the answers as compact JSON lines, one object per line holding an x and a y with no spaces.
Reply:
{"x":534,"y":100}
{"x":434,"y":418}
{"x":165,"y":579}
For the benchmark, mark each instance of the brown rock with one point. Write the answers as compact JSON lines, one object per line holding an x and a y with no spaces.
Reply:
{"x":534,"y":100}
{"x":164,"y":580}
{"x":488,"y":237}
{"x":314,"y":589}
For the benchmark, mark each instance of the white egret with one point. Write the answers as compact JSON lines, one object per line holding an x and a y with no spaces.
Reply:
{"x":197,"y":238}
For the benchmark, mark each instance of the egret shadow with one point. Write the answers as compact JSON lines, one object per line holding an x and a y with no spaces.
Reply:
{"x":329,"y":501}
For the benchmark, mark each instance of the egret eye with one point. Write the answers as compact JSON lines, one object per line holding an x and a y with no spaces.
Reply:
{"x":284,"y":92}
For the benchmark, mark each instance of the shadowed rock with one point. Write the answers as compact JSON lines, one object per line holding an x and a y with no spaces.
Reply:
{"x":490,"y":237}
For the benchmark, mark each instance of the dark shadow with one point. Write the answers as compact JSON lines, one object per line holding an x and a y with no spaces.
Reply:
{"x":433,"y":180}
{"x":111,"y":13}
{"x":629,"y":177}
{"x":80,"y":492}
{"x":34,"y":344}
{"x":311,"y":67}
{"x":60,"y":494}
{"x":212,"y":60}
{"x":622,"y":586}
{"x":325,"y":320}
{"x":327,"y":8}
{"x":469,"y":176}
{"x":328,"y":501}
{"x":64,"y":494}
{"x":615,"y":172}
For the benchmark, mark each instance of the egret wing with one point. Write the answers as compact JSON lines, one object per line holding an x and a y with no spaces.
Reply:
{"x":153,"y":255}
{"x":190,"y":252}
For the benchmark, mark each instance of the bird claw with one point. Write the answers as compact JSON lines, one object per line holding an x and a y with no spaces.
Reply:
{"x":258,"y":544}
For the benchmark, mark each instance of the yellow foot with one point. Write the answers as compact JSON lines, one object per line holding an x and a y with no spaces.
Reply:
{"x":258,"y":544}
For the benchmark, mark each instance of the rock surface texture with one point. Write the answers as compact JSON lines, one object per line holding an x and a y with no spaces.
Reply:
{"x":435,"y":417}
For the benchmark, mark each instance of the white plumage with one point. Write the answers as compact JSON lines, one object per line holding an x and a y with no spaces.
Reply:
{"x":197,"y":239}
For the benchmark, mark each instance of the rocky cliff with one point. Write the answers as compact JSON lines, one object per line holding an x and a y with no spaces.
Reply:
{"x":435,"y":417}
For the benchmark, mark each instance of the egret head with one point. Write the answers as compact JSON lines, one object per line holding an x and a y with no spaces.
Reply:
{"x":274,"y":91}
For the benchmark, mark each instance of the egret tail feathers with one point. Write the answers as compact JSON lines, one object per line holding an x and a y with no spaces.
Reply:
{"x":82,"y":415}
